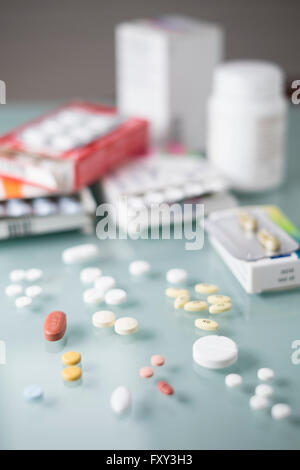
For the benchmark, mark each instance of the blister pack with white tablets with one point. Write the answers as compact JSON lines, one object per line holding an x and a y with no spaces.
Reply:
{"x":259,"y":244}
{"x":71,"y":147}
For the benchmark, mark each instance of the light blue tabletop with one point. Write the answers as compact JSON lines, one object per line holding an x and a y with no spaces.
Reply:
{"x":202,"y":414}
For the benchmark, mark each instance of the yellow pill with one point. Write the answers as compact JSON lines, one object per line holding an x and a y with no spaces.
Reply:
{"x":206,"y":288}
{"x":247,"y":221}
{"x":218,"y":299}
{"x":205,"y":324}
{"x":181,"y":301}
{"x":220,"y":308}
{"x":195,"y":306}
{"x":71,"y":358}
{"x":173,"y":292}
{"x":268,"y":240}
{"x":71,"y":373}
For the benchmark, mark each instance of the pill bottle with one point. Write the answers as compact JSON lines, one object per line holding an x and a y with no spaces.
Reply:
{"x":247,"y":115}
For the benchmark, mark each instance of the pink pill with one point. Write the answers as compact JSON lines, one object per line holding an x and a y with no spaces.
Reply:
{"x":157,"y":360}
{"x":165,"y":388}
{"x":146,"y":372}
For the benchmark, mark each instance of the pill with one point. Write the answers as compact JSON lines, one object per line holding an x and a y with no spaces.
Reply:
{"x":23,"y":301}
{"x":174,"y":292}
{"x":126,"y":326}
{"x":205,"y":324}
{"x":105,"y":283}
{"x":62,"y":143}
{"x":103,"y":319}
{"x":13,"y":289}
{"x":115,"y":296}
{"x":138,"y":268}
{"x":33,"y":392}
{"x":80,"y":253}
{"x":93,"y":296}
{"x":55,"y":325}
{"x":220,"y":308}
{"x":233,"y":380}
{"x":33,"y":274}
{"x":71,"y":373}
{"x":157,"y":360}
{"x":146,"y":372}
{"x":33,"y":291}
{"x":264,"y":390}
{"x":33,"y":137}
{"x":218,"y":299}
{"x":281,"y":411}
{"x":71,"y":358}
{"x":176,"y":276}
{"x":195,"y":306}
{"x":180,"y":301}
{"x":269,"y":241}
{"x":258,"y":403}
{"x":247,"y":221}
{"x":215,"y":352}
{"x":265,"y":374}
{"x":17,"y":208}
{"x":44,"y":206}
{"x":17,"y":275}
{"x":206,"y":288}
{"x":154,"y":197}
{"x":89,"y":275}
{"x":69,"y":205}
{"x":165,"y":388}
{"x":120,"y":399}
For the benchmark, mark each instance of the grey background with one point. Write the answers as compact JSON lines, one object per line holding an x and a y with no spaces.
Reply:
{"x":61,"y":49}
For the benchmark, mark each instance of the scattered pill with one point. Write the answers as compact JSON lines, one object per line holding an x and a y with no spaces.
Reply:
{"x":176,"y":276}
{"x":215,"y":352}
{"x":71,"y":358}
{"x":195,"y":306}
{"x":138,"y":268}
{"x":120,"y":399}
{"x":89,"y":275}
{"x":105,"y":283}
{"x":218,"y":299}
{"x":165,"y":388}
{"x":115,"y":296}
{"x":258,"y":403}
{"x":281,"y":411}
{"x":233,"y":380}
{"x":33,"y":291}
{"x":220,"y":308}
{"x":206,"y":288}
{"x":23,"y":301}
{"x":71,"y":373}
{"x":93,"y":296}
{"x":33,"y":274}
{"x":247,"y":221}
{"x":33,"y":392}
{"x":126,"y":326}
{"x":174,"y":292}
{"x":264,"y":390}
{"x":157,"y":360}
{"x":265,"y":374}
{"x":180,"y":301}
{"x":269,"y":241}
{"x":146,"y":372}
{"x":205,"y":324}
{"x":17,"y":275}
{"x":55,"y":325}
{"x":103,"y":319}
{"x":80,"y":253}
{"x":13,"y":289}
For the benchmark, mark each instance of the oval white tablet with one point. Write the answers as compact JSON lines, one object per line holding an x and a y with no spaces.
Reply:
{"x":265,"y":374}
{"x":139,"y":267}
{"x":120,"y":399}
{"x":17,"y":275}
{"x":33,"y":291}
{"x":22,"y":302}
{"x":105,"y":283}
{"x":215,"y":352}
{"x":13,"y":290}
{"x":93,"y":296}
{"x":103,"y":319}
{"x":80,"y":253}
{"x":264,"y":390}
{"x":89,"y":275}
{"x":62,"y":142}
{"x":258,"y":403}
{"x":33,"y":274}
{"x":115,"y":296}
{"x":281,"y":411}
{"x":176,"y":276}
{"x":233,"y":380}
{"x":126,"y":326}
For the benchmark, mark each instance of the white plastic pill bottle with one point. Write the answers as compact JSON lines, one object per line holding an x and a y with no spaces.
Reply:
{"x":247,"y":115}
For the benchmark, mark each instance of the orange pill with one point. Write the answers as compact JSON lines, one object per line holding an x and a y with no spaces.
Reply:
{"x":157,"y":360}
{"x":165,"y":388}
{"x":146,"y":372}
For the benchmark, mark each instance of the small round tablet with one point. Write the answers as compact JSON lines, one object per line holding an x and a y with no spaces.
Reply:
{"x":115,"y":296}
{"x":17,"y":275}
{"x":71,"y":373}
{"x":176,"y":276}
{"x":71,"y":358}
{"x":33,"y":392}
{"x":105,"y":283}
{"x":22,"y":302}
{"x":206,"y":288}
{"x":89,"y":275}
{"x":218,"y":299}
{"x":215,"y":352}
{"x":206,"y":324}
{"x":103,"y":319}
{"x":265,"y":374}
{"x":126,"y":326}
{"x":33,"y":274}
{"x":157,"y":360}
{"x":139,"y":267}
{"x":62,"y":143}
{"x":220,"y":308}
{"x":13,"y":290}
{"x":33,"y":291}
{"x":180,"y":301}
{"x":281,"y":411}
{"x":233,"y":380}
{"x":258,"y":403}
{"x":174,"y":292}
{"x":93,"y":296}
{"x":264,"y":390}
{"x":195,"y":306}
{"x":146,"y":372}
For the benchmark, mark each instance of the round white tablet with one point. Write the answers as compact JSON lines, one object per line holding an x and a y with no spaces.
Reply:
{"x":265,"y":374}
{"x":13,"y":290}
{"x":126,"y":326}
{"x":89,"y":275}
{"x":176,"y":276}
{"x":233,"y":380}
{"x":115,"y":296}
{"x":215,"y":352}
{"x":139,"y":267}
{"x":258,"y":403}
{"x":103,"y":319}
{"x":120,"y":399}
{"x":33,"y":291}
{"x":62,"y":143}
{"x":93,"y":296}
{"x":17,"y":275}
{"x":264,"y":390}
{"x":33,"y":274}
{"x":281,"y":411}
{"x":105,"y":283}
{"x":22,"y":302}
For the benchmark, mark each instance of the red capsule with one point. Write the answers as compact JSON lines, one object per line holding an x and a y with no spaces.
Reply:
{"x":165,"y":388}
{"x":55,"y":325}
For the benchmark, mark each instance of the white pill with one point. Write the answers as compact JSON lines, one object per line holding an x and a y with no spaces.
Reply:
{"x":103,"y":319}
{"x":80,"y":253}
{"x":281,"y":411}
{"x":33,"y":392}
{"x":33,"y":291}
{"x":44,"y":206}
{"x":23,"y":301}
{"x":13,"y":290}
{"x":176,"y":276}
{"x":126,"y":326}
{"x":17,"y":275}
{"x":258,"y":403}
{"x":33,"y":137}
{"x":33,"y":274}
{"x":49,"y":127}
{"x":115,"y":296}
{"x":138,"y":268}
{"x":233,"y":380}
{"x":89,"y":275}
{"x":105,"y":283}
{"x":215,"y":352}
{"x":120,"y":399}
{"x":265,"y":374}
{"x":264,"y":390}
{"x":93,"y":296}
{"x":69,"y":205}
{"x":18,"y":208}
{"x":62,"y":143}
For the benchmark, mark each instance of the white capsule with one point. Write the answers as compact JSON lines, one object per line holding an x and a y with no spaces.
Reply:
{"x":120,"y":399}
{"x":89,"y":275}
{"x":264,"y":390}
{"x":176,"y":276}
{"x":80,"y":253}
{"x":258,"y":403}
{"x":33,"y":291}
{"x":105,"y":283}
{"x":233,"y":380}
{"x":22,"y":302}
{"x":13,"y":290}
{"x":93,"y":296}
{"x":281,"y":411}
{"x":139,"y":267}
{"x":33,"y":274}
{"x":265,"y":374}
{"x":115,"y":296}
{"x":17,"y":275}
